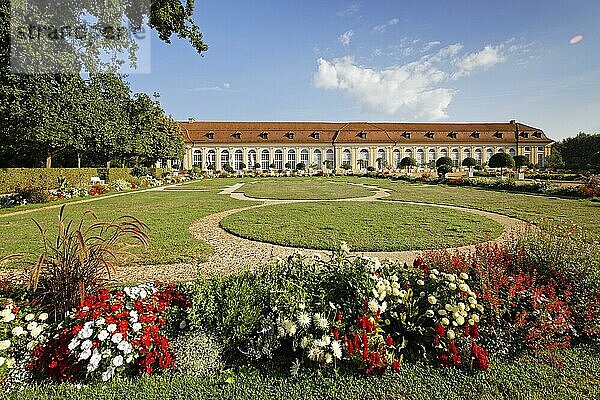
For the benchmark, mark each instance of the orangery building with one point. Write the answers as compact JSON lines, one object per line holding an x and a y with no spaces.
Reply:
{"x":353,"y":145}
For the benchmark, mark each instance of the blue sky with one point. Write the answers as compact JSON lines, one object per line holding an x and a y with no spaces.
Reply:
{"x":455,"y":61}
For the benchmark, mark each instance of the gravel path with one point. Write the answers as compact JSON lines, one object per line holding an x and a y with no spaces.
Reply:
{"x":232,"y":252}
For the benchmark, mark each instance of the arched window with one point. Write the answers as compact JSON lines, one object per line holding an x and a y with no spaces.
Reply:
{"x":488,"y":154}
{"x":197,"y":160}
{"x":238,"y":160}
{"x":431,"y":155}
{"x":381,"y":159}
{"x":395,"y":158}
{"x":278,"y":159}
{"x":251,"y":159}
{"x":455,"y":157}
{"x":211,"y":158}
{"x":346,"y":156}
{"x":444,"y":153}
{"x":265,"y":159}
{"x":329,"y":158}
{"x":304,"y":157}
{"x":317,"y":158}
{"x":363,"y":159}
{"x":512,"y":152}
{"x":408,"y":153}
{"x":500,"y":150}
{"x":291,"y":158}
{"x":420,"y":157}
{"x":224,"y":158}
{"x":477,"y":155}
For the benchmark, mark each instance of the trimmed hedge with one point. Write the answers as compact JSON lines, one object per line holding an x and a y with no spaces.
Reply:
{"x":46,"y":178}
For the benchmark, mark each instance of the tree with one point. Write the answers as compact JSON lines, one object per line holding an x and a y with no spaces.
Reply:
{"x":300,"y":166}
{"x":555,"y":160}
{"x":469,"y":162}
{"x":520,"y":161}
{"x":577,"y":151}
{"x":408,"y":162}
{"x":595,"y":161}
{"x":443,"y":169}
{"x":501,"y":160}
{"x":346,"y":166}
{"x":444,"y":161}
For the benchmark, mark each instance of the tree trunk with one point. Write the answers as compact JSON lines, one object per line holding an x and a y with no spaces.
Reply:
{"x":78,"y":160}
{"x":49,"y":161}
{"x":108,"y":165}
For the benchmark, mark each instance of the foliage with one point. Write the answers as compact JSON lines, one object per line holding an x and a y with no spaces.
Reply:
{"x":24,"y":196}
{"x":501,"y":160}
{"x":520,"y":161}
{"x":444,"y":161}
{"x":79,"y":260}
{"x":408,"y":162}
{"x":469,"y":162}
{"x":444,"y":169}
{"x":197,"y":352}
{"x":577,"y":152}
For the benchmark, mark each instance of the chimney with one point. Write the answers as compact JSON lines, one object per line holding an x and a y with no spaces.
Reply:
{"x":190,"y":120}
{"x":512,"y":121}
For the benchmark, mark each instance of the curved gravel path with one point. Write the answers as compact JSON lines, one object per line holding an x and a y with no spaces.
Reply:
{"x":231,"y":252}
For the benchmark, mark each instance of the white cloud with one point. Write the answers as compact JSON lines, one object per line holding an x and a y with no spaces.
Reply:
{"x":481,"y":60}
{"x":383,"y":27}
{"x":418,"y":89}
{"x":349,"y":11}
{"x":225,"y":87}
{"x":346,"y":37}
{"x":430,"y":45}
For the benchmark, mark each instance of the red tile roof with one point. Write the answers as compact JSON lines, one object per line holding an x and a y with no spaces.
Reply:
{"x":359,"y":132}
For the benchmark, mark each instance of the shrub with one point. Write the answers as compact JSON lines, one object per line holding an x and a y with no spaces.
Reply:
{"x":80,"y":259}
{"x":444,"y":161}
{"x":520,"y":161}
{"x":300,"y":166}
{"x":346,"y":166}
{"x":444,"y":169}
{"x":99,"y":189}
{"x":370,"y":168}
{"x":469,"y":162}
{"x":501,"y":160}
{"x":408,"y":162}
{"x":197,"y":353}
{"x":119,"y":185}
{"x":24,"y":196}
{"x":138,"y":171}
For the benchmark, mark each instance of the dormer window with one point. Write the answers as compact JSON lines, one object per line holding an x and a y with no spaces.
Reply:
{"x":237,"y":135}
{"x":524,"y":135}
{"x":362,"y":134}
{"x":406,"y":135}
{"x":429,"y":134}
{"x":289,"y":135}
{"x":452,"y":135}
{"x":537,"y":134}
{"x":263,"y":135}
{"x":475,"y":134}
{"x":210,"y":135}
{"x":498,"y":134}
{"x":315,"y":135}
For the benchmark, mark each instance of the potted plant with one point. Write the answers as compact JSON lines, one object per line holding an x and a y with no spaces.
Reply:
{"x":469,"y":162}
{"x":501,"y":160}
{"x":520,"y":161}
{"x":408,"y":162}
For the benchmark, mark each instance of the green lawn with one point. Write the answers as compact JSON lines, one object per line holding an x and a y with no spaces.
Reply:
{"x":303,"y":188}
{"x":533,"y":208}
{"x":168,"y":214}
{"x":578,"y":379}
{"x":211,"y":183}
{"x":373,"y":226}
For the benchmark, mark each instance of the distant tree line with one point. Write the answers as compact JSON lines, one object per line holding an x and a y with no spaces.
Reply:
{"x":70,"y":121}
{"x":581,"y":152}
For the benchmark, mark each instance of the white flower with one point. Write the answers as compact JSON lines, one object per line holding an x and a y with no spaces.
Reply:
{"x":100,"y":321}
{"x":301,"y":306}
{"x":451,"y":334}
{"x":328,"y":358}
{"x":29,"y":317}
{"x":460,"y":320}
{"x":442,"y":312}
{"x":111,"y":328}
{"x":85,"y":354}
{"x":463,"y":287}
{"x":315,"y":354}
{"x":117,"y":338}
{"x":479,"y":307}
{"x":451,"y":277}
{"x":31,"y":345}
{"x":445,"y":321}
{"x":133,"y":314}
{"x":125,"y":347}
{"x":420,"y":282}
{"x":43,"y":316}
{"x":85,"y":333}
{"x":86,"y":345}
{"x":336,"y":348}
{"x":326,"y":339}
{"x":464,"y":276}
{"x":475,"y":317}
{"x":344,"y":247}
{"x":4,"y":344}
{"x":118,"y":361}
{"x":32,"y":325}
{"x":6,"y":310}
{"x":452,"y":286}
{"x":95,"y":359}
{"x":303,"y":319}
{"x":430,"y":313}
{"x":9,"y":317}
{"x":304,"y":342}
{"x":373,"y":306}
{"x":2,"y":360}
{"x":136,"y":327}
{"x":103,"y":335}
{"x":18,"y":331}
{"x":431,"y":299}
{"x":10,"y":362}
{"x":435,"y":272}
{"x":106,"y":375}
{"x":472,"y":300}
{"x":73,"y":344}
{"x":320,"y":321}
{"x":129,"y":359}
